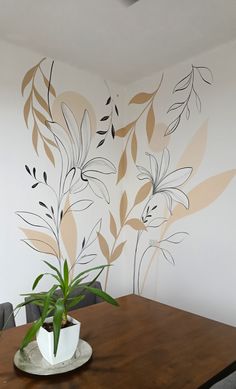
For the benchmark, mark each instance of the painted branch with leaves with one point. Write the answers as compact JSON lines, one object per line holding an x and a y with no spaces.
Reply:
{"x":130,"y":128}
{"x":113,"y":253}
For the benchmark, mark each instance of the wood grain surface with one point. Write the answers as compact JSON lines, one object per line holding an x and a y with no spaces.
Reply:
{"x":140,"y":344}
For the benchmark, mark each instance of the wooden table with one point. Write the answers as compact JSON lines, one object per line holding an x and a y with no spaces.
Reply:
{"x":141,"y":344}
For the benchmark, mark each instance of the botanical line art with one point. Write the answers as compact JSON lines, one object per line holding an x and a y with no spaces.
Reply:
{"x":188,"y":84}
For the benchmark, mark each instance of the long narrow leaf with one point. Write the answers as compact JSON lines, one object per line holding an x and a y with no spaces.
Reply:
{"x":57,"y":319}
{"x":100,"y":293}
{"x":88,"y":271}
{"x":31,"y":333}
{"x":36,"y":281}
{"x":71,"y":302}
{"x":56,"y":270}
{"x":66,"y":276}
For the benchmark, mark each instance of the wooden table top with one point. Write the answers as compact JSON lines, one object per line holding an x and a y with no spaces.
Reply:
{"x":140,"y":344}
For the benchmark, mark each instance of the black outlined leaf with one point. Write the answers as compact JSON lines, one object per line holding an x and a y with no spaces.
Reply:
{"x":112,"y":131}
{"x":34,"y":172}
{"x":187,"y":113}
{"x":45,"y":177}
{"x":108,"y":100}
{"x":183,"y":84}
{"x":61,"y":215}
{"x":42,"y":204}
{"x":50,"y":217}
{"x":198,"y":102}
{"x":101,"y":132}
{"x":168,"y":256}
{"x":27,"y":169}
{"x":101,"y":143}
{"x":104,"y":118}
{"x":83,"y":243}
{"x":116,"y":109}
{"x":175,"y":106}
{"x":52,"y":210}
{"x":172,"y":126}
{"x":176,"y":238}
{"x":34,"y":186}
{"x":205,"y":74}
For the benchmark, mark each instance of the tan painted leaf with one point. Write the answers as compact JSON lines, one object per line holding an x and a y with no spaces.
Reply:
{"x":142,"y":193}
{"x":27,"y":110}
{"x":103,"y":246}
{"x":69,"y":233}
{"x":123,"y":207}
{"x":122,"y":166}
{"x":49,"y":153}
{"x":41,"y":100}
{"x":136,"y":224}
{"x":150,"y":123}
{"x":27,"y":78}
{"x":203,"y":195}
{"x":35,"y":137}
{"x":122,"y":132}
{"x":194,"y":152}
{"x":117,"y":252}
{"x":40,"y":116}
{"x":41,"y":242}
{"x":141,"y":98}
{"x":134,"y":147}
{"x":51,"y":90}
{"x":113,"y":227}
{"x":50,"y":142}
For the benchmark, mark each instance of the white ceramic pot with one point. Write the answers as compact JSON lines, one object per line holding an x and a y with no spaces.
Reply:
{"x":68,"y":342}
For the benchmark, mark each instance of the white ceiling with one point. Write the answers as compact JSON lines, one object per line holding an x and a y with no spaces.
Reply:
{"x":118,"y":42}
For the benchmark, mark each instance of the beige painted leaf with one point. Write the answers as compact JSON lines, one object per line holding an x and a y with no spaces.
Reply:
{"x":51,"y":90}
{"x":103,"y":246}
{"x":113,"y":227}
{"x":27,"y":78}
{"x":40,"y":116}
{"x":134,"y":147}
{"x":136,"y":224}
{"x":49,"y":153}
{"x":122,"y":132}
{"x":203,"y":195}
{"x":69,"y":233}
{"x":41,"y":242}
{"x":141,"y":98}
{"x":27,"y":110}
{"x":41,"y":100}
{"x":123,"y":207}
{"x":117,"y":252}
{"x":150,"y":123}
{"x":142,"y":193}
{"x":194,"y":152}
{"x":35,"y":137}
{"x":122,"y":166}
{"x":50,"y":142}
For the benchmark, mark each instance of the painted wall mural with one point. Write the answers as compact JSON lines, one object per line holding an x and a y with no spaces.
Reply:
{"x":62,"y":127}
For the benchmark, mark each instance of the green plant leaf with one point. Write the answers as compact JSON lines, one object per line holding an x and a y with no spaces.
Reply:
{"x":85,"y":272}
{"x":30,"y":334}
{"x":36,"y":281}
{"x":100,"y":293}
{"x":66,"y":276}
{"x":56,"y":270}
{"x":57,"y":319}
{"x":71,"y":302}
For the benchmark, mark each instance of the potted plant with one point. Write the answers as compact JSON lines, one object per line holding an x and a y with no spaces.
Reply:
{"x":56,"y":332}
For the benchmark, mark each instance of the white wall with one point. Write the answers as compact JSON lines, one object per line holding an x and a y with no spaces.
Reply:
{"x":202,"y":279}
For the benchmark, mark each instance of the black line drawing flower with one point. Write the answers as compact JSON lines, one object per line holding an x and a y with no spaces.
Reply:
{"x":74,"y":143}
{"x":166,"y":183}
